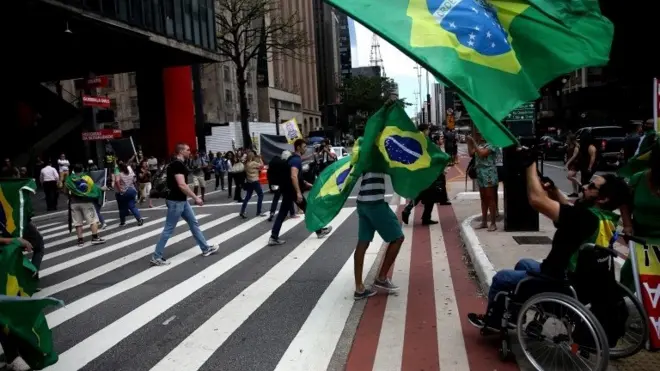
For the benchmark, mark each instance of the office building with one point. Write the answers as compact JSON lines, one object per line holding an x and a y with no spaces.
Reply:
{"x":327,"y":36}
{"x":368,"y":71}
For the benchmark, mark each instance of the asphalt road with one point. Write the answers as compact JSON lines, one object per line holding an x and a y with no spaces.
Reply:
{"x":555,"y":170}
{"x":237,"y":310}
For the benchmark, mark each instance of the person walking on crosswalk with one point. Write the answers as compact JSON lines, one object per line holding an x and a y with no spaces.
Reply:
{"x":178,"y":206}
{"x":292,"y":192}
{"x":375,"y":215}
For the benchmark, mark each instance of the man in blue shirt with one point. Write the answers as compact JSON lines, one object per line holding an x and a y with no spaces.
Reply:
{"x":292,"y":192}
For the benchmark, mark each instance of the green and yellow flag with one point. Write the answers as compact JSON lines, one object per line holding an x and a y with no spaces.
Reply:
{"x":15,"y":205}
{"x":329,"y":193}
{"x":642,"y":161}
{"x":82,"y":185}
{"x":393,"y":145}
{"x":21,"y":316}
{"x":496,"y":53}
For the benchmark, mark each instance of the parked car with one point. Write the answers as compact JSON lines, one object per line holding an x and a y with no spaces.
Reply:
{"x":553,"y":149}
{"x":609,"y":141}
{"x":341,"y":152}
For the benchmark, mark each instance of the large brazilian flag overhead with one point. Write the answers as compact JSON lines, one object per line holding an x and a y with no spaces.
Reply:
{"x":496,"y":53}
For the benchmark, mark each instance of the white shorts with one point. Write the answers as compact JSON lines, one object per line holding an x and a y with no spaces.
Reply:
{"x":83,"y":213}
{"x":145,"y":189}
{"x":199,"y":181}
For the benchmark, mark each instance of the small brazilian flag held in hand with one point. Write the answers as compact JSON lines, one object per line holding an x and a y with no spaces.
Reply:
{"x":22,"y":316}
{"x":329,"y":193}
{"x":393,"y":145}
{"x":496,"y":53}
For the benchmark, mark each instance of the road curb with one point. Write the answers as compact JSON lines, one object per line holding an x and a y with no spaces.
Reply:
{"x":482,"y":265}
{"x":484,"y":269}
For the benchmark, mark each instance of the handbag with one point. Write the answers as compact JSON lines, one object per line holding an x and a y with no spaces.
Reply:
{"x":237,"y":168}
{"x":471,"y":170}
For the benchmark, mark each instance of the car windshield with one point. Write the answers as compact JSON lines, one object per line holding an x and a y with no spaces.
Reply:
{"x":608,"y":132}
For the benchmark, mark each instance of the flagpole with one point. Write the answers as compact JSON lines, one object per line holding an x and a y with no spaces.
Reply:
{"x":428,"y":99}
{"x":656,"y":102}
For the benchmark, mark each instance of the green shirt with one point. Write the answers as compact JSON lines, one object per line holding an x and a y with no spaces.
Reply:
{"x":646,"y":207}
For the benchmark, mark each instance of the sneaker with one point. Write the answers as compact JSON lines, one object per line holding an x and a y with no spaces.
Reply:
{"x":122,"y":224}
{"x":104,"y":225}
{"x":81,"y":242}
{"x":429,"y":222}
{"x":97,"y":241}
{"x":477,"y":320}
{"x":159,"y":262}
{"x":386,"y":285}
{"x":324,"y":232}
{"x":404,"y":217}
{"x":275,"y":241}
{"x":242,"y":216}
{"x":140,"y":222}
{"x":262,"y":214}
{"x":18,"y":365}
{"x":270,"y":218}
{"x":364,"y":294}
{"x":211,"y":250}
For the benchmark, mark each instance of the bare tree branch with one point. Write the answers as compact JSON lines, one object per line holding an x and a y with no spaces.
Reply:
{"x":246,"y":28}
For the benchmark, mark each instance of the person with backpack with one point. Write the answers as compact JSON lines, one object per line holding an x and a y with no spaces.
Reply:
{"x":220,"y":167}
{"x":278,"y":172}
{"x":177,"y":204}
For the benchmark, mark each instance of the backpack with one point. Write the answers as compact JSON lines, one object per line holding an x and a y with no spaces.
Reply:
{"x":277,"y":170}
{"x":159,"y":188}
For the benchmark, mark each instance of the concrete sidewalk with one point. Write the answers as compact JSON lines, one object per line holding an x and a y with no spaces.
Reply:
{"x":492,"y":251}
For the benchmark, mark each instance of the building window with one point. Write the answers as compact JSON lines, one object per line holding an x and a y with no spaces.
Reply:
{"x":226,"y":72}
{"x":228,"y":99}
{"x":132,"y":80}
{"x":250,"y":99}
{"x":135,"y":110}
{"x":248,"y":77}
{"x":113,"y":104}
{"x":111,"y":82}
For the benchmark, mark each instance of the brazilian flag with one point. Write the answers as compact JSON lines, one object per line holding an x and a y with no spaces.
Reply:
{"x":329,"y":193}
{"x":496,"y":53}
{"x":83,"y":186}
{"x":21,"y":316}
{"x":393,"y":145}
{"x":15,"y":205}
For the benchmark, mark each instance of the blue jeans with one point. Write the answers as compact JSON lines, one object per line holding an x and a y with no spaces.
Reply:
{"x":97,"y":206}
{"x":176,"y":210}
{"x":276,"y":199}
{"x":126,"y":203}
{"x":249,"y":188}
{"x":508,"y":279}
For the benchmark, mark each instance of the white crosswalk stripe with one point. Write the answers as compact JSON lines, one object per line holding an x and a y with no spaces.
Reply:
{"x":114,"y":286}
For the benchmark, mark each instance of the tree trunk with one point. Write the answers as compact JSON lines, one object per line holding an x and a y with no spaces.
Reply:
{"x":244,"y":109}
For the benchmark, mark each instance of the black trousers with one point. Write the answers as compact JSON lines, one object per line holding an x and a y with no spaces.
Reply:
{"x":51,"y":193}
{"x":428,"y":208}
{"x":32,"y":235}
{"x":220,"y":180}
{"x":288,"y":200}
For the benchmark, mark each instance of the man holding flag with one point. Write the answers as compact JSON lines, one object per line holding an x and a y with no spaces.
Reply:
{"x":82,"y":194}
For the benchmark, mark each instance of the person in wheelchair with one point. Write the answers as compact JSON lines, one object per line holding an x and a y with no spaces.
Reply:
{"x":590,"y":220}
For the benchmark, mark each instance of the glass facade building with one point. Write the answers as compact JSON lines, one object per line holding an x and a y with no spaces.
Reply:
{"x":189,"y":21}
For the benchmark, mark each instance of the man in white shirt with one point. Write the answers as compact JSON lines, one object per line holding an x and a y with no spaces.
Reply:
{"x":49,"y":178}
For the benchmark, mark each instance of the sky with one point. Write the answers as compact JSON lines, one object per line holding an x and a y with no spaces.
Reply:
{"x":397,"y":66}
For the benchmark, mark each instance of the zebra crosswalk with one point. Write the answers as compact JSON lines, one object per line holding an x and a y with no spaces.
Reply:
{"x":249,"y":307}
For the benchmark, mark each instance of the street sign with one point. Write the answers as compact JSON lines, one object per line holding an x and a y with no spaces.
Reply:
{"x":101,"y":102}
{"x":526,"y":112}
{"x":102,"y":134}
{"x":91,"y":83}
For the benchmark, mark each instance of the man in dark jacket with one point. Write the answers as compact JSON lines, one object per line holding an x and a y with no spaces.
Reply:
{"x":278,"y":171}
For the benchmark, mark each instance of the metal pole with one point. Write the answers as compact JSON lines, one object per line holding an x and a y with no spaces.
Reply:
{"x":277,"y":117}
{"x":428,"y":98}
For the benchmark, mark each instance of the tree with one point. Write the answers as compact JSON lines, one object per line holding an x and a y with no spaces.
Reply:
{"x":247,"y":29}
{"x":364,"y":95}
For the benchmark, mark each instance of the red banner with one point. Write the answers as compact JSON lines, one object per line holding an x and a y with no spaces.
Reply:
{"x":90,"y":101}
{"x":102,"y":134}
{"x":650,"y":286}
{"x":91,"y":83}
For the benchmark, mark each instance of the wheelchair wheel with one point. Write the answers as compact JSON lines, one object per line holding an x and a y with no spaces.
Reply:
{"x":583,"y":343}
{"x":637,"y":327}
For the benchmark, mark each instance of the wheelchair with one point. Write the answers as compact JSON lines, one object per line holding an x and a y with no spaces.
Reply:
{"x":539,"y":301}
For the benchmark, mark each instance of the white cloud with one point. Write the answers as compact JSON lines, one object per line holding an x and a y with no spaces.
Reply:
{"x":397,"y":65}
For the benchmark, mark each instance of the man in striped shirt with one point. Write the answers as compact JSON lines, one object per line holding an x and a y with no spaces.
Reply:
{"x":375,"y":215}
